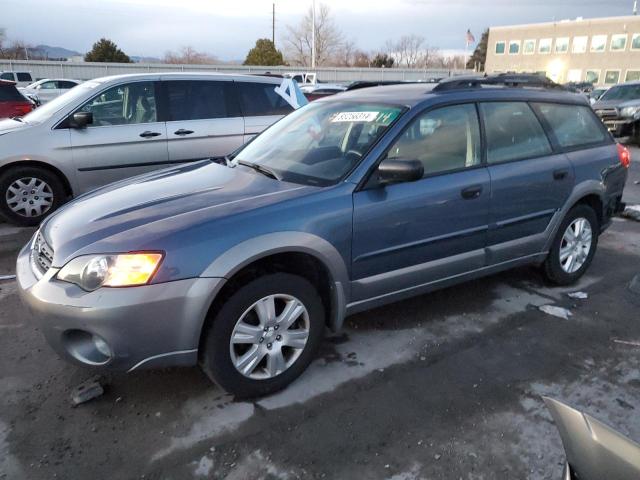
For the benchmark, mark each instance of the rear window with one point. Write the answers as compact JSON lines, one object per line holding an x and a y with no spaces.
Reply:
{"x":24,"y":77}
{"x":573,"y":125}
{"x":9,"y":93}
{"x":513,"y":132}
{"x":259,"y":99}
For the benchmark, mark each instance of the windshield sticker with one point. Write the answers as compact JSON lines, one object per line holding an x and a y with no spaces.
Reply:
{"x":355,"y":117}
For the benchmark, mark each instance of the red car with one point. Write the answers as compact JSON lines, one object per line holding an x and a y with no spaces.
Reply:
{"x":12,"y":103}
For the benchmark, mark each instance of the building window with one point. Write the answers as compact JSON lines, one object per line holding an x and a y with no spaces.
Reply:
{"x":598,"y":43}
{"x":514,"y":47}
{"x":529,"y":47}
{"x":592,"y":76}
{"x":562,"y":45}
{"x":499,"y":48}
{"x":611,"y":77}
{"x":579,"y":44}
{"x":544,"y":45}
{"x":618,"y":42}
{"x":574,"y":75}
{"x":632,"y":76}
{"x":635,"y":41}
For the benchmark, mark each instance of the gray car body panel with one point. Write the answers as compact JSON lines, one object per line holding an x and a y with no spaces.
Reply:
{"x":212,"y":220}
{"x":594,"y":450}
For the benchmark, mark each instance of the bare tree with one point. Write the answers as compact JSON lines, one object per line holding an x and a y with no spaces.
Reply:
{"x":3,"y":37}
{"x":189,"y":56}
{"x":407,"y":50}
{"x":298,"y":39}
{"x":345,"y":54}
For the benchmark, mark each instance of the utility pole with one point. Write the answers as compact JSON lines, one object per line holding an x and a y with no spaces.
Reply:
{"x":635,"y":7}
{"x":273,"y":24}
{"x":313,"y":35}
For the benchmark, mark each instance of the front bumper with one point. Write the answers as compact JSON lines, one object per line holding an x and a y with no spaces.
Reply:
{"x":620,"y":127}
{"x":154,"y":325}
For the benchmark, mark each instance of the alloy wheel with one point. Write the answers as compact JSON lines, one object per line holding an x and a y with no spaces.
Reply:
{"x":575,"y":245}
{"x":269,"y":336}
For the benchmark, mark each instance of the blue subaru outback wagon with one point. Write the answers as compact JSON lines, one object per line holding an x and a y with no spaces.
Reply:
{"x":354,"y":201}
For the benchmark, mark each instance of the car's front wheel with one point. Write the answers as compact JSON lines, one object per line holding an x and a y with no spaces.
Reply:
{"x":574,"y":246}
{"x":264,"y":336}
{"x":28,"y":194}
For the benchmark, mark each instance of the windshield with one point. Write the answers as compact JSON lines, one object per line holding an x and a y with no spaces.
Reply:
{"x":44,"y":112}
{"x":622,"y":92}
{"x":320,"y":143}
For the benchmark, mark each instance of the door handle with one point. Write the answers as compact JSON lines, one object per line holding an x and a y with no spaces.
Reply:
{"x":560,"y":174}
{"x":471,"y":192}
{"x":182,"y":131}
{"x":149,"y":134}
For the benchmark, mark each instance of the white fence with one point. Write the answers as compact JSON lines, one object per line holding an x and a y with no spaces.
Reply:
{"x":86,"y":71}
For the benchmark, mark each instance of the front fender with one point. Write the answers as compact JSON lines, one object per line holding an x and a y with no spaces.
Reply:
{"x":247,"y":252}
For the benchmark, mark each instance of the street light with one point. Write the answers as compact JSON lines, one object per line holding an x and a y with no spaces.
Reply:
{"x":313,"y":35}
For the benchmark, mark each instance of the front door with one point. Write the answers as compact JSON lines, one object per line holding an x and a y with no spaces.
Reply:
{"x":410,"y":234}
{"x":203,"y":121}
{"x":125,"y":138}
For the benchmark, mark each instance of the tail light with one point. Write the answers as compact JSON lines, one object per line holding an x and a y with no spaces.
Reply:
{"x":624,"y":155}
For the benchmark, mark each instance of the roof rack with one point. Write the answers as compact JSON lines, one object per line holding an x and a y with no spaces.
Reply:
{"x":501,"y":79}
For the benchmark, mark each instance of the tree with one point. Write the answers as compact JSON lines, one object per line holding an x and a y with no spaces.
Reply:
{"x":479,"y":56}
{"x":264,"y":53}
{"x":361,"y":59}
{"x":408,"y":50}
{"x":189,"y":56}
{"x":104,"y":50}
{"x":328,"y":38}
{"x":382,"y":60}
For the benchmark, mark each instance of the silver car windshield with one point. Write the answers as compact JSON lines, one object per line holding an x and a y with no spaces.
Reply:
{"x":45,"y":112}
{"x":320,"y":143}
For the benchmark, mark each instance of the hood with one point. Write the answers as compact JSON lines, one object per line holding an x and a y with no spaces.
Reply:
{"x":136,"y":214}
{"x":9,"y":125}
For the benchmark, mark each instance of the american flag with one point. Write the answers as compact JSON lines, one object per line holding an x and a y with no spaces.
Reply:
{"x":470,"y":38}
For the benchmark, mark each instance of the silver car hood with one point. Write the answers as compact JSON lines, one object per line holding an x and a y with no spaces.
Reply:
{"x":8,"y":125}
{"x":594,"y":451}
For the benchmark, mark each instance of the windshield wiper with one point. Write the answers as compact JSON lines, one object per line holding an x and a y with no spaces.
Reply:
{"x":259,"y":168}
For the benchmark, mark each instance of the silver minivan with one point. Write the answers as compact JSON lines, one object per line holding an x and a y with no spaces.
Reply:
{"x":116,"y":127}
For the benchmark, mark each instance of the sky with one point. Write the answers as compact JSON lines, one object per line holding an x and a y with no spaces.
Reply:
{"x":228,"y":29}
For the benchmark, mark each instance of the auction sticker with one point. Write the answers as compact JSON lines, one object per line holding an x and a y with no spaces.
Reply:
{"x":355,"y":117}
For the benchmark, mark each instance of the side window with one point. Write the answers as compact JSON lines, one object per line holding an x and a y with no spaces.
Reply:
{"x":6,"y":76}
{"x":573,"y":125}
{"x":513,"y":132}
{"x":444,"y":139}
{"x":24,"y":77}
{"x":65,"y":84}
{"x":199,"y":100}
{"x":260,"y":99}
{"x":48,"y":86}
{"x":127,"y":104}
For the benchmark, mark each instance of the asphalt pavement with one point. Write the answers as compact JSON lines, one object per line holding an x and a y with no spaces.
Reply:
{"x":443,"y":386}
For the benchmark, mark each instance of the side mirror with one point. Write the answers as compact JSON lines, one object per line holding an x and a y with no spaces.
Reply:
{"x":399,"y":170}
{"x":81,"y":119}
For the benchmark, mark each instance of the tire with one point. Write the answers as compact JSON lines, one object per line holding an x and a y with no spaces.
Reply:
{"x":562,"y":272}
{"x":34,"y":180}
{"x":264,"y":376}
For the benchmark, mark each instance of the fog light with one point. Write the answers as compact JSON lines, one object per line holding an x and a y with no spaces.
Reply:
{"x":101,"y":346}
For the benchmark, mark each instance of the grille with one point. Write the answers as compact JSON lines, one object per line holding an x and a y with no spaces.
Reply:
{"x":41,"y":255}
{"x":607,"y":113}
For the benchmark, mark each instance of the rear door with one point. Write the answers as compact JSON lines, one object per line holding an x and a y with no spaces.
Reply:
{"x":261,"y":106}
{"x":203,"y":119}
{"x":529,"y":182}
{"x":125,"y":139}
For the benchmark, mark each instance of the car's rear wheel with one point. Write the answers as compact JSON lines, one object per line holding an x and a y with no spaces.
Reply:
{"x":29,"y":194}
{"x":264,"y":336}
{"x":573,"y":247}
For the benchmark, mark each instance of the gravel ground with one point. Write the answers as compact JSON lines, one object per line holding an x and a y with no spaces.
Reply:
{"x":446,"y":385}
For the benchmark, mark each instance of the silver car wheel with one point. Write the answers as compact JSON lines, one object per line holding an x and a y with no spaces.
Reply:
{"x":269,"y":336}
{"x":29,"y":197}
{"x":575,"y":245}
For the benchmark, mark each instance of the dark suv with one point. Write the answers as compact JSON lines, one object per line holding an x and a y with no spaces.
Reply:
{"x":619,"y":109}
{"x":350,"y":202}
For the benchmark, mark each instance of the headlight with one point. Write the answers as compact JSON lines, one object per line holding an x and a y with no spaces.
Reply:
{"x":91,"y":272}
{"x":629,"y":111}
